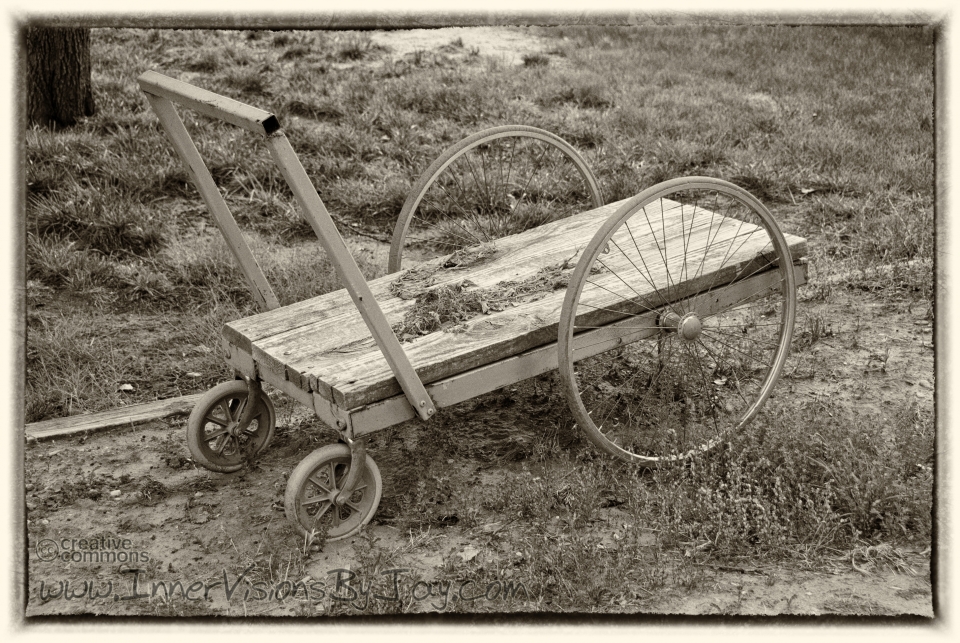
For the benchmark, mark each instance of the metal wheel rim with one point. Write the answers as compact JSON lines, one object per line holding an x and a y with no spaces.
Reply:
{"x":218,"y":444}
{"x":598,"y":427}
{"x":443,"y":177}
{"x":313,"y":497}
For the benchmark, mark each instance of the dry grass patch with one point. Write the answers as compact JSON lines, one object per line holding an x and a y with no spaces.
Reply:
{"x":447,"y":306}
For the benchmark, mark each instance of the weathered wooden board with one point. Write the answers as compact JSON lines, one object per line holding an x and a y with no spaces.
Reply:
{"x":124,"y":416}
{"x":469,"y":384}
{"x":304,"y":342}
{"x":513,"y":253}
{"x":322,"y":344}
{"x":303,"y":332}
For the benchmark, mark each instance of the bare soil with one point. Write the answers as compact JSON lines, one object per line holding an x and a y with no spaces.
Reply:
{"x":183,"y":523}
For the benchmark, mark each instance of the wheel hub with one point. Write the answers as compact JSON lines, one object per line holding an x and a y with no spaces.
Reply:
{"x":688,"y":326}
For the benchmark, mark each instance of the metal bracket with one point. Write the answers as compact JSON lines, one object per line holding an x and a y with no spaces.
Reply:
{"x":254,"y":391}
{"x":358,"y":460}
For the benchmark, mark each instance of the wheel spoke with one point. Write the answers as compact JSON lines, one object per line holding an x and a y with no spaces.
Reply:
{"x":209,"y":417}
{"x":312,"y":500}
{"x":734,"y":348}
{"x":322,"y":484}
{"x":455,"y":202}
{"x":581,"y":347}
{"x":214,"y":434}
{"x":646,"y":309}
{"x":626,"y":224}
{"x":332,"y":476}
{"x":768,"y":345}
{"x":710,"y":240}
{"x":686,"y":242}
{"x":222,"y":444}
{"x":737,"y":277}
{"x":227,"y":413}
{"x":321,"y":512}
{"x":706,"y":387}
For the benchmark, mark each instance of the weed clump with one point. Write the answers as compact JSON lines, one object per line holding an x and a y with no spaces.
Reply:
{"x":545,"y":281}
{"x":95,"y":225}
{"x":414,"y":282}
{"x":317,"y":111}
{"x":786,"y":488}
{"x":357,"y":46}
{"x":582,"y":95}
{"x":446,"y":306}
{"x":535,"y":60}
{"x":441,"y":308}
{"x":150,"y":492}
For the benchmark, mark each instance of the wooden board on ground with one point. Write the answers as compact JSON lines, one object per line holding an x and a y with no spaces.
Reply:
{"x":322,"y":344}
{"x":124,"y":416}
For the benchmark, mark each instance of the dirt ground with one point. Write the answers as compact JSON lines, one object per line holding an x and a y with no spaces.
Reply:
{"x":117,"y":520}
{"x":159,"y":513}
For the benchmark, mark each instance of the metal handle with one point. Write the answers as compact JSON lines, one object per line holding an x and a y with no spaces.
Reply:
{"x":208,"y":103}
{"x":162,"y":91}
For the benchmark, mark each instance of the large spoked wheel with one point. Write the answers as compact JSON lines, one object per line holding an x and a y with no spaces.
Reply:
{"x":214,"y":436}
{"x":677,"y":320}
{"x":498,"y":182}
{"x":310,"y":501}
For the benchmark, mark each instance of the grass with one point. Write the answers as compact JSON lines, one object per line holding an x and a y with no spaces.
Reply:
{"x":792,"y":493}
{"x":129,"y":282}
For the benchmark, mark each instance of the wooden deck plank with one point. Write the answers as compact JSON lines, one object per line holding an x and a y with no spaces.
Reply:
{"x":471,"y":383}
{"x":364,"y":379}
{"x":518,"y":256}
{"x":323,"y":344}
{"x":301,"y":335}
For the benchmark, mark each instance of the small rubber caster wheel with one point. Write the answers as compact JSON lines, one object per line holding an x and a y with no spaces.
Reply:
{"x":212,"y":435}
{"x":314,"y":485}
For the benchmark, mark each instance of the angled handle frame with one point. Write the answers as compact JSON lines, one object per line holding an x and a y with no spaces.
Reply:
{"x":162,"y":92}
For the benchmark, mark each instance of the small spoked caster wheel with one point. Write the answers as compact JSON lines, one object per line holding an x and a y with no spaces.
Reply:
{"x":313,"y":502}
{"x":216,"y":439}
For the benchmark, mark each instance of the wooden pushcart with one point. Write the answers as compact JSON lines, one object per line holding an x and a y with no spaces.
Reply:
{"x":669,"y":315}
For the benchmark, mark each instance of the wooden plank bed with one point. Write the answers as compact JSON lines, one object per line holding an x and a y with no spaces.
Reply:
{"x":321,"y":346}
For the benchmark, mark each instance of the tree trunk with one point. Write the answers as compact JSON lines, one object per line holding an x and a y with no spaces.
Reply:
{"x":59,"y":90}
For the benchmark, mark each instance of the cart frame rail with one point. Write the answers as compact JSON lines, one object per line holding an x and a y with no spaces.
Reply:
{"x":163,"y":92}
